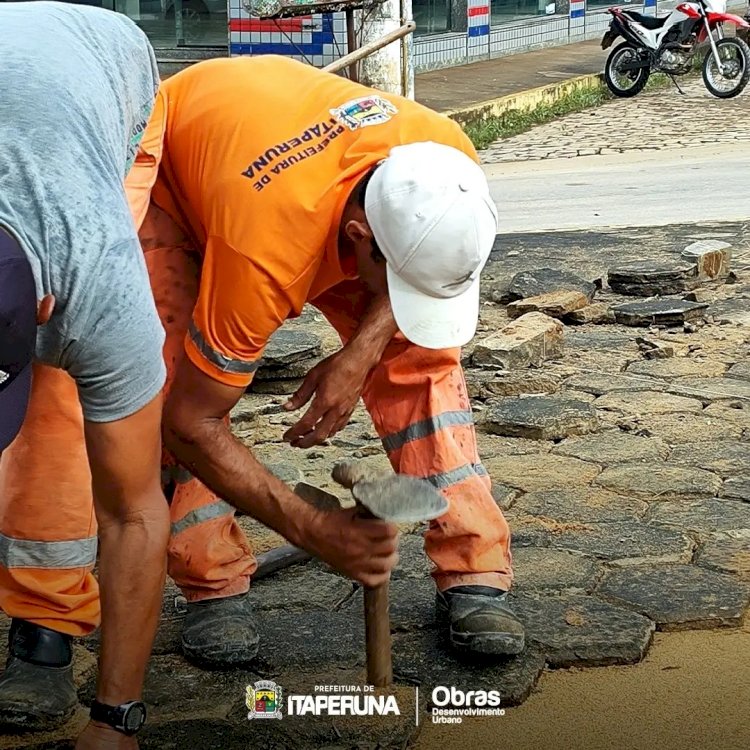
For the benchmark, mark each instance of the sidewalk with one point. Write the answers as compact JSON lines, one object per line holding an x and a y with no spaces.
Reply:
{"x":459,"y":87}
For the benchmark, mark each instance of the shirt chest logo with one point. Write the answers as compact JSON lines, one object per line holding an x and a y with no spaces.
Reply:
{"x":367,"y":110}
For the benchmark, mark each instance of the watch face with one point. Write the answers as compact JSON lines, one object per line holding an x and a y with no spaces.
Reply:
{"x":135,"y":717}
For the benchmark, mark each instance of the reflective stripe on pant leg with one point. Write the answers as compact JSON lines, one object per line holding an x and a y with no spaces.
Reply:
{"x":209,"y":555}
{"x":419,"y":404}
{"x":47,"y":525}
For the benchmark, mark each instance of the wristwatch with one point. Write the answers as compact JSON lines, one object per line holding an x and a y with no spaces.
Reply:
{"x":127,"y":718}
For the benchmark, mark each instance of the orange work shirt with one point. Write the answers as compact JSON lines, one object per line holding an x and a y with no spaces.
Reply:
{"x":259,"y":157}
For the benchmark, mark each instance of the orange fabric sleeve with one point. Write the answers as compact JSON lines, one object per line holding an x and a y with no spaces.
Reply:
{"x":239,"y":306}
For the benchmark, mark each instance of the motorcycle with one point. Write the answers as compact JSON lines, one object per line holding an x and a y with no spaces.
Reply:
{"x":669,"y":44}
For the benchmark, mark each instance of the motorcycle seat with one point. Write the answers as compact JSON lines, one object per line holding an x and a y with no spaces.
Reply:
{"x":648,"y":21}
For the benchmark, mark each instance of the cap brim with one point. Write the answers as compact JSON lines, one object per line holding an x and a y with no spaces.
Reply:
{"x":431,"y":322}
{"x":14,"y":401}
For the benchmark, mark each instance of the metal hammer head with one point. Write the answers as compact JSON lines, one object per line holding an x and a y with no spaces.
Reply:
{"x":395,"y":498}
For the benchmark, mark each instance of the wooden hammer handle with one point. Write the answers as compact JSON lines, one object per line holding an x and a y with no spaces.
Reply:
{"x":378,"y":637}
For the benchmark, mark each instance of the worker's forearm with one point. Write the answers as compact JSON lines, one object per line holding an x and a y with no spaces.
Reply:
{"x":132,"y":568}
{"x":375,"y":330}
{"x":230,"y":470}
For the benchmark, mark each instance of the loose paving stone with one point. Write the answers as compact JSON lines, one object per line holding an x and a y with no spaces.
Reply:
{"x":712,"y":258}
{"x":503,"y":495}
{"x":558,"y":570}
{"x":677,"y":367}
{"x":493,"y":445}
{"x":659,"y":480}
{"x":543,"y":281}
{"x":281,"y":387}
{"x":627,"y":543}
{"x":554,"y":304}
{"x":613,"y":447}
{"x":709,"y":390}
{"x":736,"y":488}
{"x":678,"y":596}
{"x":425,"y":658}
{"x":723,"y":457}
{"x":577,"y":631}
{"x":540,"y":418}
{"x":526,"y":342}
{"x":740,"y":370}
{"x":288,"y":345}
{"x":537,"y":472}
{"x":647,"y":278}
{"x":677,"y":429}
{"x":601,"y":383}
{"x":297,"y":640}
{"x":582,"y":504}
{"x":599,"y":312}
{"x":300,"y":588}
{"x":659,"y":312}
{"x":483,"y":384}
{"x":297,"y":369}
{"x":727,"y":555}
{"x":646,"y":402}
{"x":704,"y":517}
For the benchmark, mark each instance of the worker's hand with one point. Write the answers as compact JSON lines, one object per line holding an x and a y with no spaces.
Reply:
{"x":100,"y":737}
{"x":335,"y":385}
{"x":363,"y":549}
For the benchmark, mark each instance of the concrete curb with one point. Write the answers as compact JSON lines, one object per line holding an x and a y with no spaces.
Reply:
{"x":525,"y":100}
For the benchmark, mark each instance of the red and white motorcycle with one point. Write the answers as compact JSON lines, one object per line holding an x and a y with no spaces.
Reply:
{"x":669,"y":44}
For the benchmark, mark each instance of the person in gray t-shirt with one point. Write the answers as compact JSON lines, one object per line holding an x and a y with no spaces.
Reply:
{"x":78,"y":85}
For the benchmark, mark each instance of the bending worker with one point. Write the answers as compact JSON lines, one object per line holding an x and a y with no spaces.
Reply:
{"x":78,"y":86}
{"x":278,"y":184}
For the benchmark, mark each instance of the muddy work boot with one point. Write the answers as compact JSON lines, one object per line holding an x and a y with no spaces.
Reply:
{"x":36,"y":688}
{"x":480,"y":620}
{"x":220,"y":633}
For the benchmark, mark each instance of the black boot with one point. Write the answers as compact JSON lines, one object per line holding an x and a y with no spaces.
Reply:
{"x":220,"y":633}
{"x":36,"y":688}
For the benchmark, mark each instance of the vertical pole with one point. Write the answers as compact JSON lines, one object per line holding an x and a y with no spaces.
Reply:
{"x":351,"y":42}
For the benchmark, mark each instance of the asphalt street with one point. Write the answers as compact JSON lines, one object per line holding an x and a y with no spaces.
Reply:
{"x":653,"y":160}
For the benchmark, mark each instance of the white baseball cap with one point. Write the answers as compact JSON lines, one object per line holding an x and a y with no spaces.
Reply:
{"x":430,"y":211}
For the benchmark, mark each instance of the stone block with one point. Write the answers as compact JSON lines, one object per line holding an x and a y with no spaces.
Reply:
{"x":709,"y":390}
{"x":679,"y":428}
{"x":678,"y":367}
{"x":577,"y":631}
{"x":678,"y":596}
{"x":646,"y":402}
{"x":425,"y":658}
{"x":537,"y":472}
{"x":484,"y":384}
{"x":542,"y":568}
{"x":581,"y":504}
{"x":613,"y":447}
{"x":542,"y":281}
{"x":666,"y":312}
{"x":289,"y":345}
{"x":598,"y":312}
{"x":599,"y":384}
{"x":726,"y":555}
{"x":647,"y":278}
{"x":712,"y":258}
{"x":627,"y":543}
{"x":736,"y":488}
{"x":555,"y":304}
{"x":658,"y":480}
{"x":740,"y":370}
{"x":300,"y":588}
{"x":540,"y":417}
{"x":723,"y":457}
{"x":705,"y":517}
{"x":526,"y":342}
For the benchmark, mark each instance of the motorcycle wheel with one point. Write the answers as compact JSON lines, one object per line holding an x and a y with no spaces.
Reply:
{"x":624,"y":83}
{"x":735,"y":53}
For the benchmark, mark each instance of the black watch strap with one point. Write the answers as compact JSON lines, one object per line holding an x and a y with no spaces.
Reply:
{"x":127,"y":718}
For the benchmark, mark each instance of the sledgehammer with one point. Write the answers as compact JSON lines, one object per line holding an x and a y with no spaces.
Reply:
{"x":397,"y":499}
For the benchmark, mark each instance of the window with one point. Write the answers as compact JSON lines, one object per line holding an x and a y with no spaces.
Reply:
{"x":503,"y":11}
{"x":431,"y":16}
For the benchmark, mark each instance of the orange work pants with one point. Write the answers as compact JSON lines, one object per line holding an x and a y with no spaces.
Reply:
{"x":418,"y":402}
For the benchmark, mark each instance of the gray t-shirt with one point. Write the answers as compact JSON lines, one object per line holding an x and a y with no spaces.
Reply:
{"x":77,"y":85}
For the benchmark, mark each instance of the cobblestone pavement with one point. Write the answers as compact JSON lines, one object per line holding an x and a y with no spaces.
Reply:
{"x":634,"y":519}
{"x":653,"y":120}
